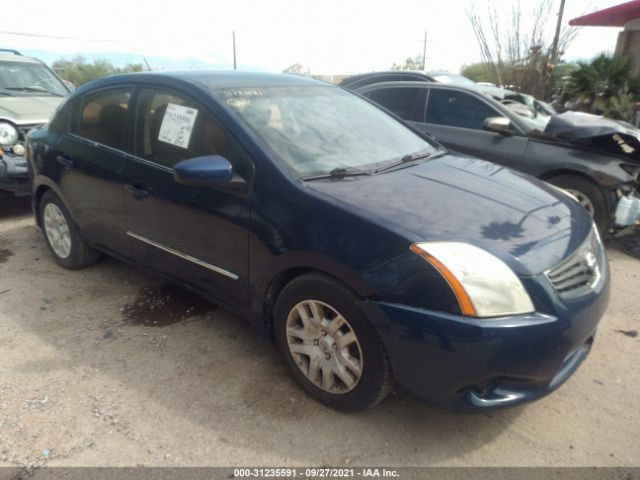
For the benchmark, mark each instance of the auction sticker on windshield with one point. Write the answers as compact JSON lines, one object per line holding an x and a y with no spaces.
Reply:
{"x":177,"y":125}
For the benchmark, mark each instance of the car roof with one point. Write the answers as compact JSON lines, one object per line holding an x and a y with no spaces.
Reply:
{"x":209,"y":79}
{"x":361,"y":76}
{"x":11,"y":57}
{"x":400,"y":83}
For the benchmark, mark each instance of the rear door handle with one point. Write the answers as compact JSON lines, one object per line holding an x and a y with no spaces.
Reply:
{"x":136,"y":190}
{"x":65,"y":161}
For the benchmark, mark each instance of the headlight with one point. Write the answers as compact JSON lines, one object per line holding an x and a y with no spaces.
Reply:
{"x":8,"y":134}
{"x":483,"y":284}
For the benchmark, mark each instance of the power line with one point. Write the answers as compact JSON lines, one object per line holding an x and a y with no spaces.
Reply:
{"x":23,"y":34}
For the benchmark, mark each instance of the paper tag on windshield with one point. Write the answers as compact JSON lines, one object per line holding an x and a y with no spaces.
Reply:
{"x":177,"y":125}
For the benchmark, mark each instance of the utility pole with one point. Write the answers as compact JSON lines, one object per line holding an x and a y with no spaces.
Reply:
{"x":556,"y":38}
{"x":424,"y":50}
{"x":234,"y":49}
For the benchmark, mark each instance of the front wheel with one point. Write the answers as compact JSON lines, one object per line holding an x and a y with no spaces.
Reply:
{"x":330,"y":347}
{"x":64,"y":242}
{"x":589,"y":195}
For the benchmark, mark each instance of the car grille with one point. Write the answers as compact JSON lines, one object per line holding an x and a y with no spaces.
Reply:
{"x":582,"y":271}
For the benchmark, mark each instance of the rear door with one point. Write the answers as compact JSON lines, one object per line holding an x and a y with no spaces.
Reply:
{"x":196,"y":235}
{"x":89,"y":162}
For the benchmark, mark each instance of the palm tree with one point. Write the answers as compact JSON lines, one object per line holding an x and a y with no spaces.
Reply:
{"x":604,"y":85}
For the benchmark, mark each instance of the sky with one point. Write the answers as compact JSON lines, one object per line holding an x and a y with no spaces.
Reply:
{"x":327,"y":37}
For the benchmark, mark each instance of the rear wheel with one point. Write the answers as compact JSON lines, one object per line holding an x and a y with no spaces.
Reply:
{"x":588,"y":195}
{"x":61,"y":235}
{"x":330,"y":347}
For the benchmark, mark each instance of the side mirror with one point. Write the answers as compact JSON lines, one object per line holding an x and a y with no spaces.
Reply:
{"x":499,"y":125}
{"x":207,"y":171}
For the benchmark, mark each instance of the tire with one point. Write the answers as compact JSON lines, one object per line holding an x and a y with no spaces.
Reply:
{"x":62,"y":236}
{"x":351,"y":369}
{"x":589,"y":195}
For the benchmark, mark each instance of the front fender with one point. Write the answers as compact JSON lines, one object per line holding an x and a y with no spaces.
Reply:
{"x":552,"y":159}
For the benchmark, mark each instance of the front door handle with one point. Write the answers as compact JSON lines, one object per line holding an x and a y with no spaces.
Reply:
{"x":65,"y":160}
{"x":136,"y":190}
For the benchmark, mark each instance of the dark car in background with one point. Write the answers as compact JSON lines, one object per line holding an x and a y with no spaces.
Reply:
{"x":354,"y":82}
{"x":371,"y":255}
{"x":29,"y":93}
{"x":594,"y":159}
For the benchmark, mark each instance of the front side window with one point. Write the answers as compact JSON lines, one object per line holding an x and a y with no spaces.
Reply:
{"x":172,"y":128}
{"x":103,"y":117}
{"x":316,"y":129}
{"x":29,"y":79}
{"x":406,"y":102}
{"x":457,"y":109}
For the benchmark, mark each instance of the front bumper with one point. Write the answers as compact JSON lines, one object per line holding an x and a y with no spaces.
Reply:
{"x":471,"y":364}
{"x":14,"y":174}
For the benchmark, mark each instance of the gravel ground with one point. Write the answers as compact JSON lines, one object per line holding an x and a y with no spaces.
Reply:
{"x":109,"y":366}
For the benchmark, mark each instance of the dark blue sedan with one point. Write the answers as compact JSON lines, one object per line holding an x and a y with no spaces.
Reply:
{"x":370,"y":254}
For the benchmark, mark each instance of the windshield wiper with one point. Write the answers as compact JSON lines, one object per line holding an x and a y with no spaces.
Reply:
{"x":338,"y":173}
{"x":410,"y":157}
{"x":7,"y":94}
{"x":33,"y":89}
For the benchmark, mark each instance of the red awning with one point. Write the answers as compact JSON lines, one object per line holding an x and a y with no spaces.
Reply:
{"x":615,"y":16}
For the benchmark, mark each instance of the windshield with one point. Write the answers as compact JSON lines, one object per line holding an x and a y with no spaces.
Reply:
{"x":22,"y":78}
{"x":316,"y":130}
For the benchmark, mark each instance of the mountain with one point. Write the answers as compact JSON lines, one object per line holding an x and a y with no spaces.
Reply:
{"x":120,"y":59}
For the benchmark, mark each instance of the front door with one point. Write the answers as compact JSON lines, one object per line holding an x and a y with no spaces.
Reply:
{"x":196,"y":235}
{"x":455,"y":119}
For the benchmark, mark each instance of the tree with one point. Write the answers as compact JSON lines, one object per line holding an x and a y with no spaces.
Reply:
{"x":605,"y":85}
{"x":410,"y":63}
{"x":479,"y":72}
{"x":78,"y":71}
{"x":476,"y":72}
{"x":520,"y":58}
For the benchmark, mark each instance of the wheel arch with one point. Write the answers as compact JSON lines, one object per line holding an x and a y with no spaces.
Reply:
{"x":546,"y":176}
{"x":269,"y":286}
{"x":37,"y":197}
{"x":42,"y":184}
{"x":608,"y":192}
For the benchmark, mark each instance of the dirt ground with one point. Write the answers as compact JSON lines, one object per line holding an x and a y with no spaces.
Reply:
{"x":109,"y":366}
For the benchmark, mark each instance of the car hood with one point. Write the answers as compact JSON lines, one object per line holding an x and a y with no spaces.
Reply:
{"x":529,"y":225}
{"x":25,"y":110}
{"x":596,"y":133}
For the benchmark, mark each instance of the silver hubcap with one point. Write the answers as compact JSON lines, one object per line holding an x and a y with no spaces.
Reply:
{"x":324,"y":346}
{"x":57,"y":230}
{"x":583,"y":200}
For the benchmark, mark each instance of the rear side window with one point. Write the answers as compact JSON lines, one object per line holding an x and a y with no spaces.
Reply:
{"x":406,"y":102}
{"x":59,"y":122}
{"x":457,"y":109}
{"x":102,"y":117}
